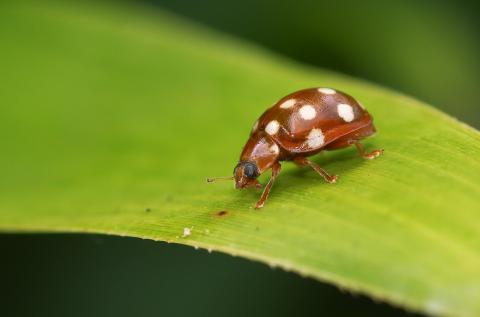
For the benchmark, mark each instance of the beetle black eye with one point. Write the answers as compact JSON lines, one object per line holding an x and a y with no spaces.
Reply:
{"x":250,"y":170}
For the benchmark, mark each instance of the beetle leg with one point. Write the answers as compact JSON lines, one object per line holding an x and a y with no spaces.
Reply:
{"x":275,"y":171}
{"x":303,"y":161}
{"x":364,"y":154}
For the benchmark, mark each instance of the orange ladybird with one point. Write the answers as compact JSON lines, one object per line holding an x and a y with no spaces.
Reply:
{"x":298,"y":126}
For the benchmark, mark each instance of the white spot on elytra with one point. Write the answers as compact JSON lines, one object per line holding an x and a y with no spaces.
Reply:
{"x":272,"y":127}
{"x":345,"y":112}
{"x":327,"y":91}
{"x":187,"y":232}
{"x":288,"y":104}
{"x":307,"y":112}
{"x":274,"y":149}
{"x":315,"y":138}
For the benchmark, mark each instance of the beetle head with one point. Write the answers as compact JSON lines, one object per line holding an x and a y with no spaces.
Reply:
{"x":245,"y":175}
{"x":258,"y":155}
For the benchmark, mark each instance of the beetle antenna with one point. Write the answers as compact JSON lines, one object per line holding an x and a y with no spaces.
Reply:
{"x":213,"y":179}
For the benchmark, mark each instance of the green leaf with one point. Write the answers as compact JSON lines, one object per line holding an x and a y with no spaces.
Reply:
{"x":112,"y":116}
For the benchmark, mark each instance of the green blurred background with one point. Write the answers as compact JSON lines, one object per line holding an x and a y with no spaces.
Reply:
{"x":428,"y":49}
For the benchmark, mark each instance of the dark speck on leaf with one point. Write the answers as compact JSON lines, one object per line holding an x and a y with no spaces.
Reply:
{"x":148,"y":209}
{"x":222,"y":213}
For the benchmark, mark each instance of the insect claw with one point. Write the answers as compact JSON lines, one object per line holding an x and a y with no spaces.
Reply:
{"x":259,"y":205}
{"x":333,"y":179}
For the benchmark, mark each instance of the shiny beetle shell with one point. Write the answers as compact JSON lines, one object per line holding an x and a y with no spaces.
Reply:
{"x":310,"y":120}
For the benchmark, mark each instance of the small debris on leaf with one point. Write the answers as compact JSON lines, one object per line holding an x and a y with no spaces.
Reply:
{"x":187,"y":232}
{"x":222,"y":213}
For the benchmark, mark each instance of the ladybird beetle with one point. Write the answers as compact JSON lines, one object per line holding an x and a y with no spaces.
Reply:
{"x":298,"y":126}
